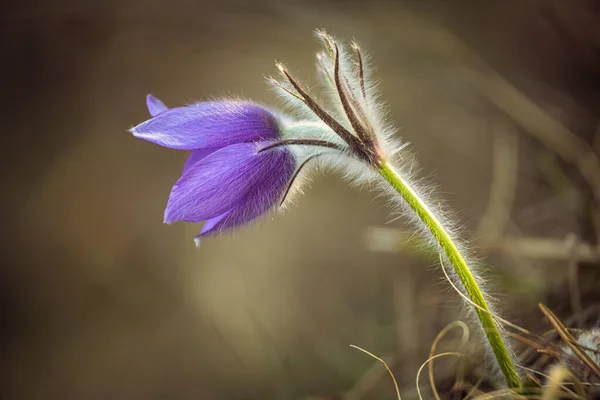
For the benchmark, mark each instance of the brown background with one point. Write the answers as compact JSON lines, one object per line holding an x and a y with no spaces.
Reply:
{"x":101,"y":300}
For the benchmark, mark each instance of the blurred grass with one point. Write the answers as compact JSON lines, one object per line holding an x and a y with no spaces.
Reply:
{"x":103,"y":300}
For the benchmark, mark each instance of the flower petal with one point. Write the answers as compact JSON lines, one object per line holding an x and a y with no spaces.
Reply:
{"x":220,"y":181}
{"x":209,"y":124}
{"x":155,"y":106}
{"x":195,"y":156}
{"x":209,"y":225}
{"x":263,"y":197}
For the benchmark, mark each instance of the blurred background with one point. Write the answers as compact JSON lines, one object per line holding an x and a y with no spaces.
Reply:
{"x":499,"y":100}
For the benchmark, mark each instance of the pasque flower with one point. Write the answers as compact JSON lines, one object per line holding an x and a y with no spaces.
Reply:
{"x":244,"y":159}
{"x":225,"y":181}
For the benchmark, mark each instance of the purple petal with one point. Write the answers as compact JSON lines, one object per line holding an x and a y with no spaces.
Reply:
{"x":221,"y":181}
{"x":195,"y":156}
{"x":209,"y":225}
{"x":209,"y":124}
{"x":155,"y":106}
{"x":262,"y":198}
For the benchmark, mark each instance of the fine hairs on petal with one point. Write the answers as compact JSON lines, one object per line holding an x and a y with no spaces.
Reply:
{"x":155,"y":106}
{"x":207,"y":124}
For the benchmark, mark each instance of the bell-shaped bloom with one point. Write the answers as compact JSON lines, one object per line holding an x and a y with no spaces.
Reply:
{"x":225,"y":181}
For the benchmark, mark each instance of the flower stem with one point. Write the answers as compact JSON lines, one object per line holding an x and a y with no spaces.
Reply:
{"x":460,"y":266}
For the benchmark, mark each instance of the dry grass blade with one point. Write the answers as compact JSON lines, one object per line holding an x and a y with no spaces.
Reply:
{"x":444,"y":332}
{"x":474,"y":389}
{"x":365,"y":383}
{"x":386,"y":366}
{"x":501,"y":394}
{"x":570,"y":340}
{"x":451,"y":353}
{"x":555,"y":381}
{"x":534,"y":345}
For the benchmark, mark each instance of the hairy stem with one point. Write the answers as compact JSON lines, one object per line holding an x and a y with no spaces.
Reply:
{"x":460,"y":266}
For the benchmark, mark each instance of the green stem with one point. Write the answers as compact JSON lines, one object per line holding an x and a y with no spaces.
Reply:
{"x":461,"y":268}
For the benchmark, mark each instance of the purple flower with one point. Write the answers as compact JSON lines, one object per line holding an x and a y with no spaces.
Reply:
{"x":225,"y":180}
